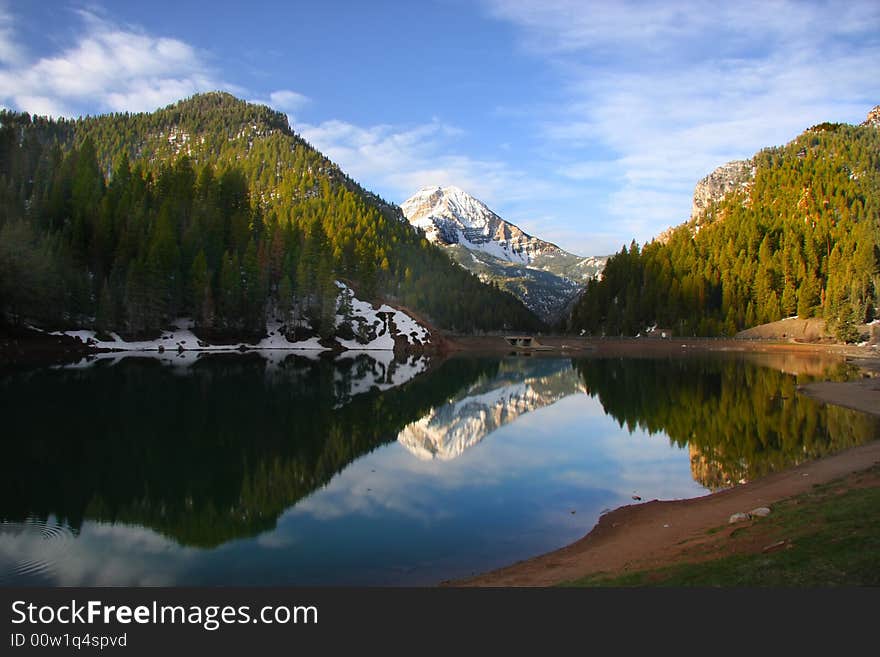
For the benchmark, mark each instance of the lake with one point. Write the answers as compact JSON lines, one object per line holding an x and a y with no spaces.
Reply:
{"x":280,"y":469}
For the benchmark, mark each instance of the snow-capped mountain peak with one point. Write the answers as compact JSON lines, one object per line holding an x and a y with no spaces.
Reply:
{"x":449,"y":202}
{"x":541,"y":274}
{"x":449,"y":215}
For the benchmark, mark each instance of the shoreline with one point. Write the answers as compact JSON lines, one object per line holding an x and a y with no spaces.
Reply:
{"x":651,"y":534}
{"x":23,"y":343}
{"x":575,"y":345}
{"x":25,"y":346}
{"x":862,"y":395}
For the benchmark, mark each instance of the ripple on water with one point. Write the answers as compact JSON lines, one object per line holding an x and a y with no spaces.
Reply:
{"x":31,"y":551}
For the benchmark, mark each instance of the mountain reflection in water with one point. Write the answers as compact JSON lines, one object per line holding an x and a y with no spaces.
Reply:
{"x":517,"y":387}
{"x":284,"y":469}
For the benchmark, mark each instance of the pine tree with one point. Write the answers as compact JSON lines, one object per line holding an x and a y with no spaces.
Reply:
{"x":105,"y":319}
{"x":285,"y":300}
{"x":200,"y":291}
{"x":229,"y":294}
{"x":253,"y":292}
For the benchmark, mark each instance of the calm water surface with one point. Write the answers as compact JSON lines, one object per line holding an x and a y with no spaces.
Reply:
{"x":280,"y":469}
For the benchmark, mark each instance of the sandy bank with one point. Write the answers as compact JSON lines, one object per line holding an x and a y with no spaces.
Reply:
{"x":863,"y":395}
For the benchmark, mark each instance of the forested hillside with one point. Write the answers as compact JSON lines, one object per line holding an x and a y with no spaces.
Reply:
{"x":801,"y":238}
{"x":211,"y":208}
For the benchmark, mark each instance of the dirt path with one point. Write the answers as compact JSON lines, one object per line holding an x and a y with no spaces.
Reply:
{"x":652,"y":534}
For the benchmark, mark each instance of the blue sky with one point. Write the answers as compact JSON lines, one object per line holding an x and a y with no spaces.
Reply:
{"x":586,"y":123}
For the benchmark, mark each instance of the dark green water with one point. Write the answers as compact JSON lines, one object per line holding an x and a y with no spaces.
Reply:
{"x":240,"y":469}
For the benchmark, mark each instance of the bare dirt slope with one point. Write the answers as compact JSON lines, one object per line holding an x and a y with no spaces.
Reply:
{"x":801,"y":330}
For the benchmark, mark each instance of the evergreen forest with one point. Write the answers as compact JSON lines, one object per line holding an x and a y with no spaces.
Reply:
{"x":214,"y":209}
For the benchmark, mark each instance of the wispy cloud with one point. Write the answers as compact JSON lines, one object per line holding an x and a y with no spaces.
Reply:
{"x":109,"y":67}
{"x":287,"y":100}
{"x":398,"y":160}
{"x":284,"y":100}
{"x":672,"y":90}
{"x":680,"y":30}
{"x":10,"y":49}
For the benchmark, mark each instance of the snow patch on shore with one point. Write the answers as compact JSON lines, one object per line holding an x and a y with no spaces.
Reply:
{"x":181,"y":338}
{"x":377,"y":327}
{"x":385,"y":322}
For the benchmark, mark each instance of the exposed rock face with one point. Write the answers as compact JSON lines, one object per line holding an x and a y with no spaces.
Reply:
{"x":735,"y":175}
{"x":709,"y":472}
{"x":725,"y":179}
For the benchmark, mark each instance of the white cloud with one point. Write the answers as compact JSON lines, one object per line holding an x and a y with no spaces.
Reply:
{"x":287,"y":100}
{"x":398,"y":160}
{"x":109,"y":68}
{"x":40,"y":105}
{"x":669,"y":132}
{"x":284,"y":100}
{"x":666,"y":92}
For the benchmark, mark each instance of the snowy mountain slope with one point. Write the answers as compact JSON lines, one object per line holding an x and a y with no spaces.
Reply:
{"x":449,"y":215}
{"x":539,"y":273}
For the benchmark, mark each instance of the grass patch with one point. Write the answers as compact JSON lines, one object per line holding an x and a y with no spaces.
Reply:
{"x":831,"y":538}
